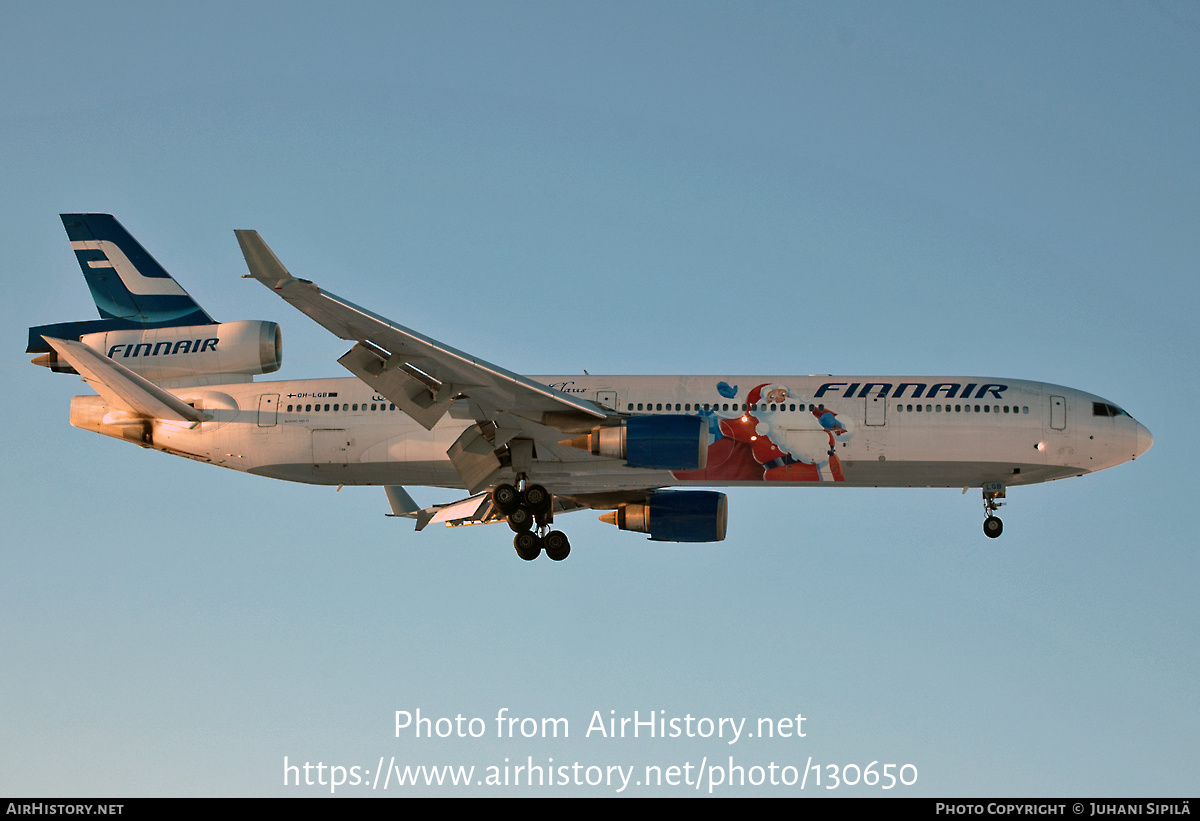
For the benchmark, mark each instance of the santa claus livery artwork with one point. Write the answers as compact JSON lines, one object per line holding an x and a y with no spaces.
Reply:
{"x":775,"y":440}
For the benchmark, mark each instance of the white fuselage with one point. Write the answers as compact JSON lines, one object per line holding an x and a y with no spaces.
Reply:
{"x":855,"y":431}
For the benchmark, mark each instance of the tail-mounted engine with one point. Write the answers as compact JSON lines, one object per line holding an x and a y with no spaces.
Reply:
{"x":231,"y":349}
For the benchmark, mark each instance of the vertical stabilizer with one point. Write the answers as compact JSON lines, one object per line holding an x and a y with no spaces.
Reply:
{"x":130,"y":289}
{"x":126,"y":282}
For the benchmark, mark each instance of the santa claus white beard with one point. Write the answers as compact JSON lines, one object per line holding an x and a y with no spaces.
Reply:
{"x":808,"y":444}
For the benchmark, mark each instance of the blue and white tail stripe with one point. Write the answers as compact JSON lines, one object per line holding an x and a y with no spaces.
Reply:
{"x":100,"y":253}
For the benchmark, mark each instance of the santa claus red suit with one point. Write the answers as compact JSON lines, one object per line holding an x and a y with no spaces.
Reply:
{"x":753,"y":427}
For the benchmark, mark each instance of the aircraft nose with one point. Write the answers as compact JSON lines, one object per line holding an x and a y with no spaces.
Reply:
{"x":1144,"y":439}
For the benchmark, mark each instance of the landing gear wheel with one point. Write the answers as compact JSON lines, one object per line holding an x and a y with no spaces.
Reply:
{"x":528,"y":546}
{"x":557,"y":545}
{"x":993,"y":492}
{"x":537,"y":499}
{"x":506,"y":498}
{"x":520,"y":520}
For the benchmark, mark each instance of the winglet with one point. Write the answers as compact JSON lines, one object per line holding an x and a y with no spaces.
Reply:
{"x":261,"y":260}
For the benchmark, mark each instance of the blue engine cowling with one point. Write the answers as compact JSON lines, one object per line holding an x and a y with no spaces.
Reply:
{"x":666,"y":442}
{"x":675,"y":516}
{"x":655,"y":442}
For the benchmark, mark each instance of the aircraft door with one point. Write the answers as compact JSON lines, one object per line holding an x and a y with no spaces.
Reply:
{"x":1058,"y":412}
{"x":268,"y":410}
{"x":876,"y":410}
{"x":607,"y":399}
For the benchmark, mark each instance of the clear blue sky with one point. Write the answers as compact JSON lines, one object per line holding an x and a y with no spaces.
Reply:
{"x":1010,"y":189}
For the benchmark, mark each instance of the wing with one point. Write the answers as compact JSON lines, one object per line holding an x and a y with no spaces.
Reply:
{"x":423,"y":376}
{"x":474,"y":510}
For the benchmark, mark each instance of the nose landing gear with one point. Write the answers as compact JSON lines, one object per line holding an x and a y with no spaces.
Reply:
{"x":992,"y":526}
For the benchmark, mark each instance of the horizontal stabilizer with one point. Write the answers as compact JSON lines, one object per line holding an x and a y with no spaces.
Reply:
{"x":121,"y":387}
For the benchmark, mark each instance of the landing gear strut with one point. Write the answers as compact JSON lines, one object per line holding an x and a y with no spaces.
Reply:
{"x":992,"y":526}
{"x":530,"y":513}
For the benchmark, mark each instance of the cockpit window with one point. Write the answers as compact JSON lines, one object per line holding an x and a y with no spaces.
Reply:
{"x":1105,"y":409}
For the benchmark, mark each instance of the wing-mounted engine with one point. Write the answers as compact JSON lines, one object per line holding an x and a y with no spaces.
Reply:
{"x":675,"y":516}
{"x":226,"y":352}
{"x":655,"y":442}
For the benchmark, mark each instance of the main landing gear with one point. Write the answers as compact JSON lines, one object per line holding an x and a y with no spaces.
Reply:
{"x":530,"y":513}
{"x":992,"y":526}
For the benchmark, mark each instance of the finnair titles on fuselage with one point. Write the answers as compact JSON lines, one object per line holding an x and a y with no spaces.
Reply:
{"x":527,"y":449}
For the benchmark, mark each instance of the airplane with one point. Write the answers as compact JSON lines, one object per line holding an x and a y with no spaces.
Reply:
{"x":526,"y":450}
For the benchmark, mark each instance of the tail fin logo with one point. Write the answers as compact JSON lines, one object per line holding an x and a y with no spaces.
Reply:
{"x":131,"y":277}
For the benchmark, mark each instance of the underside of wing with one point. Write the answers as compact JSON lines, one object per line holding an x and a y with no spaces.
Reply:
{"x":480,"y":509}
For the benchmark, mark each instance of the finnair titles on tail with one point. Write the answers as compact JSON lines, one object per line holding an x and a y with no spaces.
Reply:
{"x":528,"y":449}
